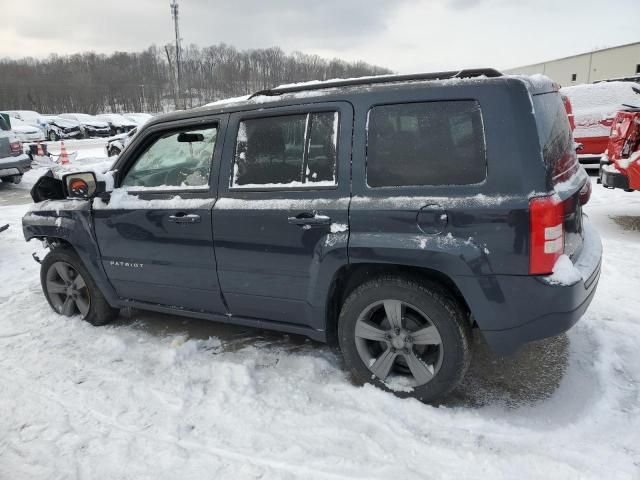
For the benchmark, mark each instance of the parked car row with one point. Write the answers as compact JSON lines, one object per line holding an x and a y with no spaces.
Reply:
{"x":13,"y":162}
{"x":30,"y":126}
{"x":594,"y":109}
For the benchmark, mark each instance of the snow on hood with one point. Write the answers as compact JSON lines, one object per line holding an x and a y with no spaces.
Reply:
{"x":25,"y":129}
{"x":63,"y":122}
{"x":95,"y":123}
{"x":593,"y":103}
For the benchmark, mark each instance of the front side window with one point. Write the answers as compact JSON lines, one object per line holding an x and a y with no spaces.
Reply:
{"x":429,"y":143}
{"x":286,"y":151}
{"x":179,"y":159}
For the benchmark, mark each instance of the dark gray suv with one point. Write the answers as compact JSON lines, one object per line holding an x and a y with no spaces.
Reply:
{"x":388,"y":216}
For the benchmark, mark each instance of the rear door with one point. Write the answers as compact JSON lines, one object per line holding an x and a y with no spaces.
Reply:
{"x":281,"y":221}
{"x":155,"y":231}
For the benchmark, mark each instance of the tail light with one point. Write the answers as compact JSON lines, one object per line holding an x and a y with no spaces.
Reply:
{"x":546,"y":224}
{"x":15,"y":146}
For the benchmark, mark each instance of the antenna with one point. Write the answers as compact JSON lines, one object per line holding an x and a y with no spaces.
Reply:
{"x":176,"y":23}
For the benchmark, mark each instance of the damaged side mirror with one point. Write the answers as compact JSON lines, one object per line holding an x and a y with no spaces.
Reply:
{"x":80,"y":185}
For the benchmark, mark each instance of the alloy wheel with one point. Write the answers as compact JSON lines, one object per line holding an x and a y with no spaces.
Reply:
{"x":395,"y":340}
{"x":67,"y":290}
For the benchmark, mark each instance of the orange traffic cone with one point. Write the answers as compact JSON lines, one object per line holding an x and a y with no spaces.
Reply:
{"x":40,"y":152}
{"x":64,"y":156}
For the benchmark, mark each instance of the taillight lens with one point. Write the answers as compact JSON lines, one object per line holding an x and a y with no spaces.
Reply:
{"x":546,"y":224}
{"x":585,"y":192}
{"x":15,"y":146}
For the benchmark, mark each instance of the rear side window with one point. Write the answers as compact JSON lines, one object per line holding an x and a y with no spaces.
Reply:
{"x":286,"y":151}
{"x":554,"y":132}
{"x":430,"y":143}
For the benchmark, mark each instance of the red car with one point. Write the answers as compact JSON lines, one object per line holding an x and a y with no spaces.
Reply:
{"x":620,"y":165}
{"x":594,"y":109}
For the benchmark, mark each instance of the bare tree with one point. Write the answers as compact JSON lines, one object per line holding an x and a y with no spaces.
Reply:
{"x":137,"y":81}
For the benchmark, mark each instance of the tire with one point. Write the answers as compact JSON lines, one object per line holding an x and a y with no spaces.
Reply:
{"x":53,"y":136}
{"x":443,"y":353}
{"x":113,"y":151}
{"x":89,"y":302}
{"x":15,"y":179}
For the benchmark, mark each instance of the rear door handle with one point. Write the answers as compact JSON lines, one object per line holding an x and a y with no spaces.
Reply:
{"x":184,"y":218}
{"x":311,"y":219}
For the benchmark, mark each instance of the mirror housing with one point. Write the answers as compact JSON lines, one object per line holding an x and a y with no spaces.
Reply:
{"x":81,"y":185}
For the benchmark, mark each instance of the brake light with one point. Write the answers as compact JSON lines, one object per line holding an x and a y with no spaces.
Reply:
{"x":15,"y":146}
{"x":546,"y":225}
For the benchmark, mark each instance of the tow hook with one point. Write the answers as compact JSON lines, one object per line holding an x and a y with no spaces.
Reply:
{"x":36,"y":257}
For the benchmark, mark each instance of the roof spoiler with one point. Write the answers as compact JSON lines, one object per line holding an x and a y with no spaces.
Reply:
{"x":414,"y":77}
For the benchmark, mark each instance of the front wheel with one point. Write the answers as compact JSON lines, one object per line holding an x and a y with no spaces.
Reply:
{"x":53,"y":136}
{"x":70,"y":290}
{"x":404,"y":336}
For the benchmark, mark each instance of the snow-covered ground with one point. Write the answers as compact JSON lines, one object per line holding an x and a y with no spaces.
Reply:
{"x":157,"y":397}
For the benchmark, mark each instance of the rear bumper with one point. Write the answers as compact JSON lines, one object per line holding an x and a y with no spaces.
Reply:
{"x":14,"y":165}
{"x":533,"y":307}
{"x":613,"y":179}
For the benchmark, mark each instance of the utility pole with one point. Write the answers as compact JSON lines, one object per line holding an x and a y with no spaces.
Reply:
{"x":174,"y":14}
{"x":144,"y":100}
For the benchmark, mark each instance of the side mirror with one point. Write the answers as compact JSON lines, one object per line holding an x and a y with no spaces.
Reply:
{"x":80,"y":185}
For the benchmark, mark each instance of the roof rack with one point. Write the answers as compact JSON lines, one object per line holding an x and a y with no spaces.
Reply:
{"x":467,"y":73}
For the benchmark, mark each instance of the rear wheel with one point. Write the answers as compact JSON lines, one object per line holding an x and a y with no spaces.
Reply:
{"x":404,"y":336}
{"x":70,"y":290}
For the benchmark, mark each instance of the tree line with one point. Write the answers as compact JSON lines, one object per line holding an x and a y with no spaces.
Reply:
{"x":148,"y":81}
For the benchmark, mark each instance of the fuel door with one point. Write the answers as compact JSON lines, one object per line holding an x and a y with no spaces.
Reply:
{"x":432,"y":219}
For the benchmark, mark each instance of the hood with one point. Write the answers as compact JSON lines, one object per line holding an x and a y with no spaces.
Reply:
{"x":96,"y":124}
{"x":122,"y":122}
{"x":24,"y":129}
{"x":64,"y":123}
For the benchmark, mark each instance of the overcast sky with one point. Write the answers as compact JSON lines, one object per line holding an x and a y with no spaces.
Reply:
{"x":404,"y":35}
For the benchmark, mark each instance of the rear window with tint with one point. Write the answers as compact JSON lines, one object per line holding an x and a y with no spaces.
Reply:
{"x":429,"y":143}
{"x":555,"y":137}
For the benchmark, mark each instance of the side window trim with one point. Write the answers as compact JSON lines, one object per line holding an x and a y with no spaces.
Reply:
{"x":308,"y":112}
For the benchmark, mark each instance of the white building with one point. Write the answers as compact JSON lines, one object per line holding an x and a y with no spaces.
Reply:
{"x":615,"y":62}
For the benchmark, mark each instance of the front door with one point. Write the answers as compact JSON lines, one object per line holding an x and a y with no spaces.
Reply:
{"x":155,"y":230}
{"x":281,"y":220}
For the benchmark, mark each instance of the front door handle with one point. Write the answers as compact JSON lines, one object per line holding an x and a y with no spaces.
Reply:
{"x":309,"y":219}
{"x":184,"y":218}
